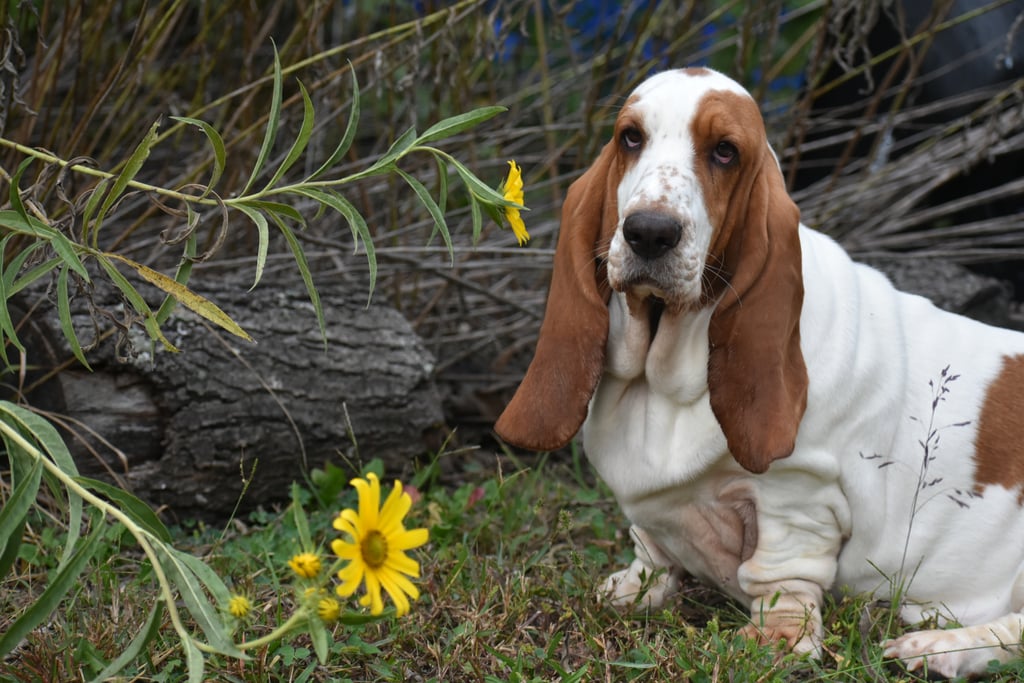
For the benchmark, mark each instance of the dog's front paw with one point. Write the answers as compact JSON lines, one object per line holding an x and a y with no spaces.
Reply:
{"x":792,"y":619}
{"x":959,"y":651}
{"x":639,"y":587}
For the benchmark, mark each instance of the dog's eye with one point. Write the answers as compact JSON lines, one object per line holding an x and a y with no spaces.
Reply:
{"x":632,"y":139}
{"x":725,"y":153}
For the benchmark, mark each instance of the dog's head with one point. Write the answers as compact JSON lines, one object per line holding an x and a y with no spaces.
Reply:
{"x":685,"y":208}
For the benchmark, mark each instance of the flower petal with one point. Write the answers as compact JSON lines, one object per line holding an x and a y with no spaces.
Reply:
{"x":395,"y":508}
{"x":373,"y":593}
{"x":369,"y":501}
{"x":396,"y":593}
{"x":400,"y":562}
{"x":350,"y":576}
{"x":346,"y":551}
{"x":408,"y":539}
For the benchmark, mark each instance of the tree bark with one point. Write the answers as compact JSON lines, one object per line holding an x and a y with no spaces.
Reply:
{"x":184,"y":429}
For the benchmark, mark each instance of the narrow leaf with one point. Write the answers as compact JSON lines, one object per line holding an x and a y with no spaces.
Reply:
{"x":181,"y":276}
{"x":263,"y":232}
{"x":301,"y":522}
{"x":273,"y":121}
{"x":435,"y":211}
{"x":14,"y":193}
{"x":195,"y":660}
{"x":301,"y":140}
{"x":136,"y":301}
{"x":478,"y":220}
{"x":7,"y":329}
{"x":192,"y":301}
{"x":30,"y":225}
{"x":60,"y":584}
{"x":64,"y":315}
{"x":458,"y":123}
{"x":206,"y":615}
{"x":397,"y":149}
{"x":357,"y":224}
{"x":307,"y":276}
{"x":139,"y":512}
{"x":134,"y":649}
{"x":16,"y":507}
{"x":318,"y":635}
{"x":479,"y":187}
{"x":350,"y":131}
{"x":127,"y":174}
{"x":220,"y":154}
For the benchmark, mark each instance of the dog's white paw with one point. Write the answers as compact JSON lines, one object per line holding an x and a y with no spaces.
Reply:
{"x":639,"y":587}
{"x":954,"y":652}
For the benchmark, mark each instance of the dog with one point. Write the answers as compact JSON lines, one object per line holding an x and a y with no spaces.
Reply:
{"x":772,"y":417}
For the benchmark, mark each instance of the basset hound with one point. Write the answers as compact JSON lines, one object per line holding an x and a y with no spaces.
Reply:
{"x":772,"y":417}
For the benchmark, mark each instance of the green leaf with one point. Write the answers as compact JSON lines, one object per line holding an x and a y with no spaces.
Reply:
{"x":305,"y":131}
{"x":134,"y":649}
{"x":435,"y":211}
{"x":220,"y":154}
{"x":14,"y":193}
{"x":189,"y":586}
{"x":273,"y":121}
{"x":196,"y":662}
{"x":350,"y":131}
{"x":307,"y":275}
{"x":137,"y":302}
{"x":63,"y":581}
{"x":318,"y":635}
{"x":91,"y":205}
{"x":7,"y":329}
{"x":139,"y":512}
{"x":397,"y":149}
{"x":208,"y":577}
{"x":458,"y":123}
{"x":356,"y":222}
{"x":64,"y":315}
{"x":194,"y":302}
{"x":181,"y":276}
{"x":478,"y":187}
{"x":262,"y":229}
{"x":478,"y":220}
{"x":30,"y":225}
{"x":49,"y":439}
{"x":127,"y":174}
{"x":301,"y":521}
{"x":15,"y":509}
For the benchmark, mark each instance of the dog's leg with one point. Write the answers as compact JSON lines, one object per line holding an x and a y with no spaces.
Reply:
{"x":642,"y":585}
{"x":791,"y":615}
{"x":960,"y":651}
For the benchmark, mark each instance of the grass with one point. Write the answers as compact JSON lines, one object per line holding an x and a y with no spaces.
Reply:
{"x":508,"y":594}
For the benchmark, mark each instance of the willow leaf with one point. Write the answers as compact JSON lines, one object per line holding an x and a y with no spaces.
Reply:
{"x":136,"y":301}
{"x":273,"y":121}
{"x":61,"y":582}
{"x":435,"y":211}
{"x":458,"y":123}
{"x":192,"y":301}
{"x":356,"y":223}
{"x":350,"y":131}
{"x":301,"y":140}
{"x":220,"y":154}
{"x":139,"y":512}
{"x":134,"y":649}
{"x":64,"y":315}
{"x":127,"y":174}
{"x":304,"y":271}
{"x":15,"y":509}
{"x":181,"y":276}
{"x":262,"y":229}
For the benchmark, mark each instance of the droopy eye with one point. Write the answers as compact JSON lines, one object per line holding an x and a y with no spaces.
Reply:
{"x":725,"y":153}
{"x":632,"y":139}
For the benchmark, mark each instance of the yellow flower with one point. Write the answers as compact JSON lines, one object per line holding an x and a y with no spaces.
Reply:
{"x":513,"y":192}
{"x":306,"y":565}
{"x":376,"y":552}
{"x":328,"y":609}
{"x":239,"y":606}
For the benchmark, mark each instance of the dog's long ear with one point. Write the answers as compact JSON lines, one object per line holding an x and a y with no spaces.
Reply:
{"x":551,"y":403}
{"x":756,"y":373}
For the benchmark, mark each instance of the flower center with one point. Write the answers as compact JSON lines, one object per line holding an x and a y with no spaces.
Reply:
{"x":374,"y":548}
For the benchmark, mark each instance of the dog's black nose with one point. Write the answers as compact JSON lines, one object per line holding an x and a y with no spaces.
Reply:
{"x":651,"y":234}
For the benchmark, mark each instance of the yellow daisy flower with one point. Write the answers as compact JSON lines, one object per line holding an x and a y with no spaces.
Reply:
{"x":328,"y":609}
{"x":239,"y":606}
{"x":305,"y":565}
{"x":513,"y":192}
{"x":377,"y":548}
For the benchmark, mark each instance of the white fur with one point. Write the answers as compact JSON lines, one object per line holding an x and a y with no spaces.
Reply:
{"x":839,"y":512}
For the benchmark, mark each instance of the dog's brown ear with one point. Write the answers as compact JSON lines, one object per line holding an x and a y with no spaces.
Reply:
{"x":756,"y":373}
{"x":551,"y":403}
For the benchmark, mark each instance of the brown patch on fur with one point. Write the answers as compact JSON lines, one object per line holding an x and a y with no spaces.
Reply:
{"x":551,"y":403}
{"x":998,"y":448}
{"x":756,"y":372}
